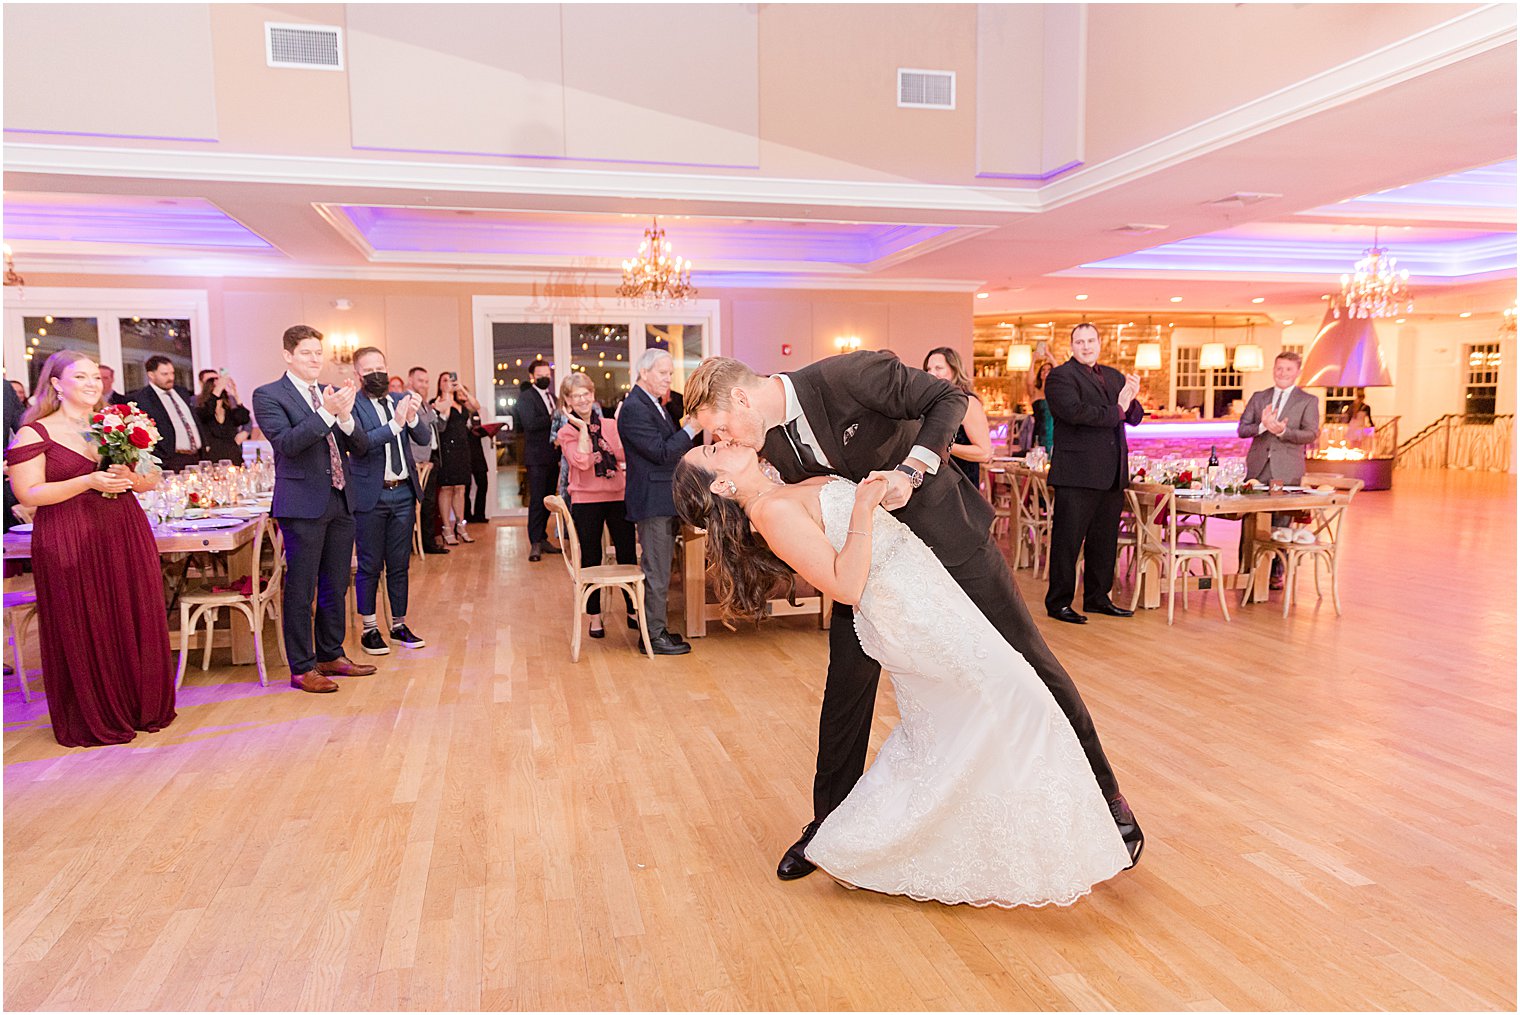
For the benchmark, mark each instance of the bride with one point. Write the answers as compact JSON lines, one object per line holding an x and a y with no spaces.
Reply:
{"x":982,"y":794}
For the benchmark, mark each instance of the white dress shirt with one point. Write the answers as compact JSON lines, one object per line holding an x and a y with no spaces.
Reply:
{"x":304,"y":387}
{"x":810,"y":437}
{"x":690,"y":428}
{"x":1280,"y":398}
{"x":180,"y":417}
{"x":384,"y":410}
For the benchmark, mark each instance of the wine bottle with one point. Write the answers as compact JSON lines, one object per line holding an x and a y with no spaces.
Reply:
{"x":1212,"y":472}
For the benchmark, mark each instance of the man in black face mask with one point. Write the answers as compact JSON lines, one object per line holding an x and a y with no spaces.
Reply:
{"x":386,"y":491}
{"x":535,"y":413}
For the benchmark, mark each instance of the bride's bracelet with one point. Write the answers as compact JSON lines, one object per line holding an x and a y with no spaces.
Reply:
{"x":857,"y":532}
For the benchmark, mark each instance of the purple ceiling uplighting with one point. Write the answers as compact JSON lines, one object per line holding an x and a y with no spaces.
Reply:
{"x":707,"y":241}
{"x":1313,"y":249}
{"x":1486,"y":187}
{"x":115,"y":218}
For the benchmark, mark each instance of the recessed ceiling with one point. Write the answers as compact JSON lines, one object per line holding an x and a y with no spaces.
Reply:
{"x":1425,"y":225}
{"x":1305,"y":248}
{"x":125,"y":219}
{"x":713,"y":243}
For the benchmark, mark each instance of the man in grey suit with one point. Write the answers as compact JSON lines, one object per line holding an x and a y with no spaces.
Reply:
{"x":1281,"y":421}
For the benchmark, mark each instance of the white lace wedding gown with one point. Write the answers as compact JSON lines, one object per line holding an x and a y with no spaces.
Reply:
{"x":982,"y":793}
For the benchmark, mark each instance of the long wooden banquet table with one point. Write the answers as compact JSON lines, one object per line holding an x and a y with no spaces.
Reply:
{"x":234,"y":541}
{"x":1254,"y":511}
{"x":694,"y":587}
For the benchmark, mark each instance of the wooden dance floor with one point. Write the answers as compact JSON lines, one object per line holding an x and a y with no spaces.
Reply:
{"x":1329,"y":806}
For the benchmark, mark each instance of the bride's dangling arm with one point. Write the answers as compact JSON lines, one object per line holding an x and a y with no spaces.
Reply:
{"x":794,"y":536}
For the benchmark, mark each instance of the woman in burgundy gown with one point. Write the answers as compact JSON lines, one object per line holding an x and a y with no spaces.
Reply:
{"x":106,"y":662}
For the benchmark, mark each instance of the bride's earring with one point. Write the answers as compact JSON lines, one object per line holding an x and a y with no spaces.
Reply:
{"x":733,"y":491}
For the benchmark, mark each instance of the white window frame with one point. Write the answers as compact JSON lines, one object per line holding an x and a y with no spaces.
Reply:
{"x":1210,"y":377}
{"x":563,"y":314}
{"x":107,"y":307}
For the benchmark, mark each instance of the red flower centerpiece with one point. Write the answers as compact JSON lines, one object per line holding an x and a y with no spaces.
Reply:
{"x":125,"y":434}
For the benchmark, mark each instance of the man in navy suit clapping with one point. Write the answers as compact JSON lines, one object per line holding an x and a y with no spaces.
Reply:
{"x":312,"y":431}
{"x":386,"y":491}
{"x":653,"y":443}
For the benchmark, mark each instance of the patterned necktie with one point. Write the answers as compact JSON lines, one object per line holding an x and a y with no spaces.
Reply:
{"x":332,"y":446}
{"x":179,"y":410}
{"x":804,"y":453}
{"x":1277,"y":402}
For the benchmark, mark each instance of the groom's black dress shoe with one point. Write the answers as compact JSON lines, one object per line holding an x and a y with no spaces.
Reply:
{"x":1129,"y":828}
{"x":795,"y":863}
{"x":1107,"y":607}
{"x":1069,"y":615}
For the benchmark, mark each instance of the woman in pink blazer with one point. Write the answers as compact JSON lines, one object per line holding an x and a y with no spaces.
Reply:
{"x":595,"y":454}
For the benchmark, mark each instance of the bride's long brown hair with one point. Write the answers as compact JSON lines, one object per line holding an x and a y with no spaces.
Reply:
{"x":745,"y":569}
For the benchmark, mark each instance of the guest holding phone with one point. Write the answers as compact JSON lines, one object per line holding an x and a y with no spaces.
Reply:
{"x":221,"y":418}
{"x":106,"y":662}
{"x":453,"y":407}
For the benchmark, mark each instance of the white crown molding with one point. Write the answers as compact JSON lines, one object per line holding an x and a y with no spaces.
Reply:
{"x":623,"y":185}
{"x":1470,"y":34}
{"x":208,"y":267}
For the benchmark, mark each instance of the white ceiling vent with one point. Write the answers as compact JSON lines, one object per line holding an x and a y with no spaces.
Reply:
{"x":1243,"y":198}
{"x":312,"y":47}
{"x":925,"y":89}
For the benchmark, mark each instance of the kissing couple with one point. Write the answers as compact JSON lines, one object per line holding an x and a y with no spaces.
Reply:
{"x":993,"y":789}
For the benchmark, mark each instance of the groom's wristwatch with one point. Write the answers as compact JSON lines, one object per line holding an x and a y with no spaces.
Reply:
{"x":914,"y":476}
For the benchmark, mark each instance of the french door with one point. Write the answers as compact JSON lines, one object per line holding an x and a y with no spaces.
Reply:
{"x":601,"y":339}
{"x":119,"y":328}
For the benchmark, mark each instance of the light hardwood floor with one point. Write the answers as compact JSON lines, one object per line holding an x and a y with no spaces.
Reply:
{"x":1329,"y":807}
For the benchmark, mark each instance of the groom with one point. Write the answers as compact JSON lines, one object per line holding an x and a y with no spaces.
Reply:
{"x":865,"y":414}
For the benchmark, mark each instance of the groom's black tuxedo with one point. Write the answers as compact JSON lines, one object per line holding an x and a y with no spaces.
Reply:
{"x":867,"y":411}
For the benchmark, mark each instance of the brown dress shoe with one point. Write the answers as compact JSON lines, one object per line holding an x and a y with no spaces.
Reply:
{"x":344,"y":667}
{"x":312,"y":681}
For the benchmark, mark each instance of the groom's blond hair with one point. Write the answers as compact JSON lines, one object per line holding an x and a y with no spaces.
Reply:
{"x":710,"y":384}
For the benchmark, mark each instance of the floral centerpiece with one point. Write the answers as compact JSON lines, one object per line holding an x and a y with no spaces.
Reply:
{"x":126,"y":436}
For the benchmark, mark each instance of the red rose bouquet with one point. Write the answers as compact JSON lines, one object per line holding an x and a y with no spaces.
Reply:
{"x":125,"y":434}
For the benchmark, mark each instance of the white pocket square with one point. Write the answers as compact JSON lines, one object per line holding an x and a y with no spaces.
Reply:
{"x":850,"y":432}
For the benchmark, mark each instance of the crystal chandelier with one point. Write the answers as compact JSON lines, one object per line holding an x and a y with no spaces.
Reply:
{"x":656,"y":275}
{"x":1377,"y":288}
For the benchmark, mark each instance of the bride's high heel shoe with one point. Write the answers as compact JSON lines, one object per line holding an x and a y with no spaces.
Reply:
{"x":463,"y":535}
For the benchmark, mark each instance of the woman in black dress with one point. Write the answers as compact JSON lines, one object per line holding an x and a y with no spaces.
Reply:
{"x":973,"y":441}
{"x":453,"y":408}
{"x":220,"y":418}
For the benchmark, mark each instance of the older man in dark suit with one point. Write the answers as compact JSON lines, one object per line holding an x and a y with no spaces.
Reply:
{"x":1091,"y":405}
{"x":652,"y":445}
{"x":856,"y":416}
{"x":312,"y":431}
